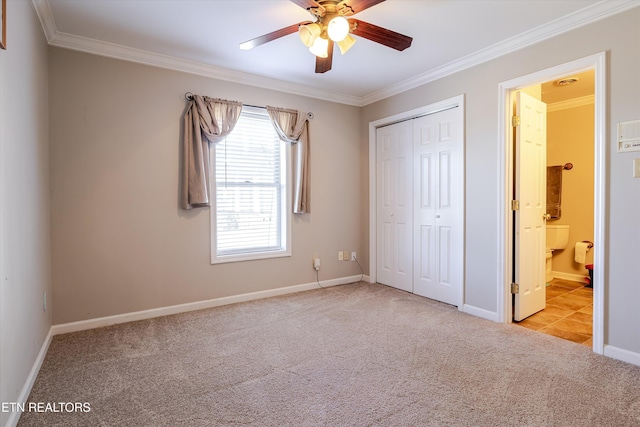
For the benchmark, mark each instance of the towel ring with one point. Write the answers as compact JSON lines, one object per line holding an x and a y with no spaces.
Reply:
{"x":589,"y":244}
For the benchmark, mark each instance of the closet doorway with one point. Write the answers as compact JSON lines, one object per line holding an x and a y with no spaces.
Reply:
{"x":417,"y":207}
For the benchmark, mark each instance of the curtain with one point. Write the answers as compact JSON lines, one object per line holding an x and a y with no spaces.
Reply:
{"x":206,"y":121}
{"x":292,"y":126}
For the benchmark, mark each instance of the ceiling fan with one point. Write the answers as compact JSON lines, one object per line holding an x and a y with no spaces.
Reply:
{"x":331,"y":26}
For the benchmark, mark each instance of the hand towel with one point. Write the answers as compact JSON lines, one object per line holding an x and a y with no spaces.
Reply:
{"x":581,"y":252}
{"x":554,"y":191}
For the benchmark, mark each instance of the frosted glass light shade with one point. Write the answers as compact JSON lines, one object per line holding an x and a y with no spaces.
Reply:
{"x":309,"y":33}
{"x":320,"y":47}
{"x":346,"y":44}
{"x":338,"y":28}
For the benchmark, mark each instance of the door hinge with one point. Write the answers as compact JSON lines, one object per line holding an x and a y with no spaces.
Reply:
{"x":515,"y":288}
{"x":515,"y":205}
{"x":515,"y":121}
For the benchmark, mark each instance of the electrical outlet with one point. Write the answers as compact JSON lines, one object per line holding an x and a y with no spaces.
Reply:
{"x":316,"y":264}
{"x":345,"y":255}
{"x":340,"y":256}
{"x":353,"y":256}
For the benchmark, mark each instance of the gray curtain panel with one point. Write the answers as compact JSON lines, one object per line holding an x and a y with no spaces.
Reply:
{"x":206,"y":121}
{"x":292,"y":126}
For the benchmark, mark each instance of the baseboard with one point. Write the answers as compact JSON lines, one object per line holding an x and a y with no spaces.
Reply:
{"x":480,"y":312}
{"x":100,"y":322}
{"x":14,"y":417}
{"x":622,"y":354}
{"x":569,"y":276}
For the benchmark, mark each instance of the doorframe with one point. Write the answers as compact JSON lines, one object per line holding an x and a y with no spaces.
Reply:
{"x":596,"y":62}
{"x":456,"y":101}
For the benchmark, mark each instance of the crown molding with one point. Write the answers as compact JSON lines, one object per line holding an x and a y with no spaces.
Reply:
{"x":571,"y":103}
{"x":116,"y":51}
{"x":593,"y":13}
{"x":139,"y":56}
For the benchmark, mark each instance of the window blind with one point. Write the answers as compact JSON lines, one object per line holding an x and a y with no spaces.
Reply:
{"x":249,"y":188}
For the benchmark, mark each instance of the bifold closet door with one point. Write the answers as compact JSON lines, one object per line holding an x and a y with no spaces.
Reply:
{"x":438,"y":189}
{"x":394,"y":153}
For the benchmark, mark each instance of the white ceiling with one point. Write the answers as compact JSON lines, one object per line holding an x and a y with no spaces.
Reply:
{"x":202,"y":37}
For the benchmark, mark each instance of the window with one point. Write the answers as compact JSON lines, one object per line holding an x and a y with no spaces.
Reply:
{"x":250,"y":212}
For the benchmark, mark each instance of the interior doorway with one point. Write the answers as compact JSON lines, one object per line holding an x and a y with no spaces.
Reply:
{"x":595,"y":63}
{"x":567,"y":207}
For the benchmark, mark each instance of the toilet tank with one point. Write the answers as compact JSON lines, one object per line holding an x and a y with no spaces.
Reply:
{"x":557,"y":236}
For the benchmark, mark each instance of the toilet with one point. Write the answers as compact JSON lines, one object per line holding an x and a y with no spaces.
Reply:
{"x":557,"y":238}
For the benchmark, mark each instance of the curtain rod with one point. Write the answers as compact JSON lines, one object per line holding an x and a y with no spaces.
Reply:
{"x":189,"y":97}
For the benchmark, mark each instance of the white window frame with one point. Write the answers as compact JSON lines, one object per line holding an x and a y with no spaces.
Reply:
{"x":286,"y":206}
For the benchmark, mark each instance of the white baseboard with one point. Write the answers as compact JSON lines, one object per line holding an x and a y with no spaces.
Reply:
{"x":14,"y":417}
{"x":157,"y":312}
{"x":622,"y":354}
{"x":569,"y":276}
{"x":99,"y":322}
{"x":480,"y":312}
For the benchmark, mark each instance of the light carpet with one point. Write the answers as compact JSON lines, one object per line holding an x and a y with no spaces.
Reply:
{"x":353,"y":355}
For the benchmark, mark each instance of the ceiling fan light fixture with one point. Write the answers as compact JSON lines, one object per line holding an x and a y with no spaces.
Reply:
{"x":309,"y":33}
{"x":320,"y":47}
{"x":346,"y":44}
{"x":338,"y":28}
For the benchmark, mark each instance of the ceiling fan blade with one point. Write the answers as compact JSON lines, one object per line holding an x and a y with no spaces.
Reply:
{"x":307,"y":4}
{"x":250,"y":44}
{"x":358,"y":5}
{"x":324,"y":64}
{"x":381,"y":35}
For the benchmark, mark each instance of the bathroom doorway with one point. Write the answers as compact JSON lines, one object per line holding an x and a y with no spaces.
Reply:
{"x":571,"y":279}
{"x":568,"y":311}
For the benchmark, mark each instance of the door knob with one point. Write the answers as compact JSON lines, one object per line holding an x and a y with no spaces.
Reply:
{"x":546,"y":217}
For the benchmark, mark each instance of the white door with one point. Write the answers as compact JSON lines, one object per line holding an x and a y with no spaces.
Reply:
{"x":530,"y":187}
{"x":394,"y":210}
{"x":438,"y":200}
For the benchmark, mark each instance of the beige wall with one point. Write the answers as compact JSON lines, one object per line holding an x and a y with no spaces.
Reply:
{"x":618,"y":36}
{"x":120,"y":242}
{"x":570,"y":140}
{"x":24,"y":201}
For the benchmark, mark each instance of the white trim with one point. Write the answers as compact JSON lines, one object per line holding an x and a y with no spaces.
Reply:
{"x":596,"y":62}
{"x":571,"y":103}
{"x":84,"y":325}
{"x":570,"y":276}
{"x":609,"y":351}
{"x":622,"y":354}
{"x":480,"y":312}
{"x":597,"y":11}
{"x":286,"y":203}
{"x":100,"y":322}
{"x":456,"y":101}
{"x":14,"y":417}
{"x":588,"y":15}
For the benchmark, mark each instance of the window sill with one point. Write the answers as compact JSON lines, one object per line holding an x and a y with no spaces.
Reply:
{"x":249,"y":257}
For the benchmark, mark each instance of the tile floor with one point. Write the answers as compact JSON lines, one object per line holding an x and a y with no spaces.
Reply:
{"x":568,"y":314}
